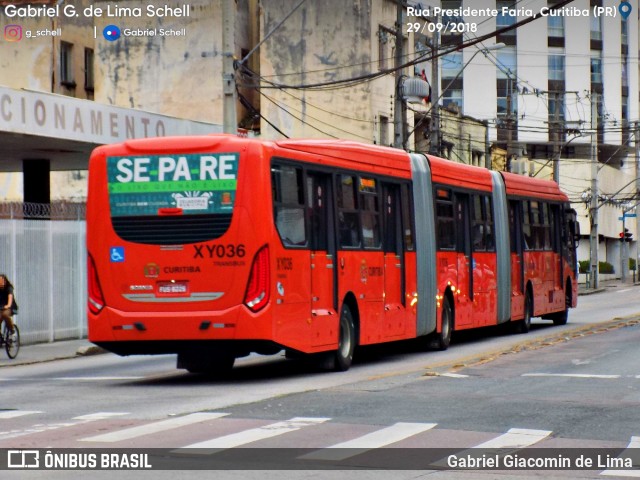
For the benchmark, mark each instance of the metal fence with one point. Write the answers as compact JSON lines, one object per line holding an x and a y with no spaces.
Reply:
{"x":46,"y":262}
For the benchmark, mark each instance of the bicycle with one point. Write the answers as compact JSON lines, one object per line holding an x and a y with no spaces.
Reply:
{"x":11,"y":342}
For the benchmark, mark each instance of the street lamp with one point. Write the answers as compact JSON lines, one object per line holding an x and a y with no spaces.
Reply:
{"x":435,"y":103}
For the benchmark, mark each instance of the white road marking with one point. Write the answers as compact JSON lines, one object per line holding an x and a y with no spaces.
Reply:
{"x":92,"y":417}
{"x":571,"y":375}
{"x":378,"y":439}
{"x":454,"y":375}
{"x":634,"y":443}
{"x":45,"y":427}
{"x":95,"y":379}
{"x":17,"y":413}
{"x":252,"y":435}
{"x":516,"y":438}
{"x":155,"y":427}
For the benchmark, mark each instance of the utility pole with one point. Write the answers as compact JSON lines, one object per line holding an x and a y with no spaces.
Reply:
{"x":434,"y":147}
{"x":557,"y":137}
{"x":593,"y":236}
{"x":230,"y":117}
{"x":400,"y":112}
{"x":509,"y":120}
{"x":637,"y":145}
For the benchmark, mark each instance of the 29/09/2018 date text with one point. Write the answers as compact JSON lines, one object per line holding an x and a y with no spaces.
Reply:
{"x":441,"y":27}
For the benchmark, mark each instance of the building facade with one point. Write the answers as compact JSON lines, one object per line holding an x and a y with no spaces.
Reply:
{"x":538,"y":85}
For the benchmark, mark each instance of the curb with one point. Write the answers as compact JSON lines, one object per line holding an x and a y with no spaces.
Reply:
{"x":90,"y":350}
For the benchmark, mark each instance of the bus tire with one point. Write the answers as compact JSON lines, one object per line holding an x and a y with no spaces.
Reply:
{"x":524,"y":325}
{"x":340,"y":360}
{"x":561,"y":318}
{"x":442,"y":339}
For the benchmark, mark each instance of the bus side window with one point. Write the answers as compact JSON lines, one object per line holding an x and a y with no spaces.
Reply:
{"x":445,"y":220}
{"x":526,"y":225}
{"x":370,"y":212}
{"x":348,"y":215}
{"x":407,"y":226}
{"x":288,"y":206}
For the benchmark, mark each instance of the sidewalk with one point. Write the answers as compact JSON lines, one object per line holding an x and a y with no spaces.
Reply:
{"x":46,"y":352}
{"x":606,"y":285}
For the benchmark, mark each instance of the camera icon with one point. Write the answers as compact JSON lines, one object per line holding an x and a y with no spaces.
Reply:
{"x":13,"y":33}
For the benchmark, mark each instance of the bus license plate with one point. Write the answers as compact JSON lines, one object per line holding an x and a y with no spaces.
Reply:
{"x":172,"y":288}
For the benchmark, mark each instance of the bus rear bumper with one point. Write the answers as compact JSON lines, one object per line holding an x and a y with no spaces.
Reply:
{"x":129,"y":333}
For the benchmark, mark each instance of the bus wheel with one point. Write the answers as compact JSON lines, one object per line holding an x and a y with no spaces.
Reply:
{"x":442,"y":339}
{"x":346,"y":342}
{"x":524,"y":325}
{"x":560,"y":318}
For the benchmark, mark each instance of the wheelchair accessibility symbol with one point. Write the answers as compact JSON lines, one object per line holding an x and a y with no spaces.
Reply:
{"x":117,"y":254}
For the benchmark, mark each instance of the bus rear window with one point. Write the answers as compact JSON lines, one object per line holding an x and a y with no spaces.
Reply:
{"x":172,"y":199}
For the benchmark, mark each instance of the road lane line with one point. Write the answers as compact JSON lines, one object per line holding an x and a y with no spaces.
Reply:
{"x":378,"y":439}
{"x":92,"y":417}
{"x":47,"y":427}
{"x":634,"y":443}
{"x":95,"y":379}
{"x":233,"y":440}
{"x":17,"y":413}
{"x":516,"y":438}
{"x":571,"y":375}
{"x":155,"y":427}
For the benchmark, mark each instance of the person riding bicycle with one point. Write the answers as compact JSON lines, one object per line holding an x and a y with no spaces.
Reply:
{"x":7,"y":302}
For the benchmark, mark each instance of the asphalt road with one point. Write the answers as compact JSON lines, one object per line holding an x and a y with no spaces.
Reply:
{"x":574,"y":386}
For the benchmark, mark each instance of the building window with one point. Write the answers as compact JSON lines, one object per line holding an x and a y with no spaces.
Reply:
{"x":596,"y":28}
{"x":507,"y":62}
{"x":625,"y":70}
{"x":88,"y":69}
{"x":452,"y":97}
{"x":383,"y":134}
{"x":452,"y":5}
{"x":596,"y":66}
{"x":504,"y":18}
{"x":384,"y":36}
{"x":555,"y":26}
{"x":624,"y":33}
{"x":505,"y":93}
{"x":556,"y":64}
{"x":66,"y":65}
{"x":451,"y":66}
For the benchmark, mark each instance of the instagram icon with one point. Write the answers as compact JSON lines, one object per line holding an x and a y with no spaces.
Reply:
{"x":13,"y":33}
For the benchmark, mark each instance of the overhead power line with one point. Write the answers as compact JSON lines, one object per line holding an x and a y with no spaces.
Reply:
{"x":420,"y":59}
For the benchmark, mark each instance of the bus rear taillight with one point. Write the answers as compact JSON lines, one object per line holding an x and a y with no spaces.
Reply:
{"x":96,"y":299}
{"x":257,"y":295}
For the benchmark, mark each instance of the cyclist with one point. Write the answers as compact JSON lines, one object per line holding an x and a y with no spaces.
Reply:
{"x":7,"y":302}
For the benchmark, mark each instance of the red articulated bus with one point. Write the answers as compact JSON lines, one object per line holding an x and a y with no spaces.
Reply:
{"x":213,"y":247}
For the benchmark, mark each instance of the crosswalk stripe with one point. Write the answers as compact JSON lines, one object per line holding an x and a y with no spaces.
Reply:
{"x":252,"y":435}
{"x":572,"y":375}
{"x":516,"y":438}
{"x":155,"y":427}
{"x":634,"y":443}
{"x":17,"y":413}
{"x":92,"y":417}
{"x":378,"y":439}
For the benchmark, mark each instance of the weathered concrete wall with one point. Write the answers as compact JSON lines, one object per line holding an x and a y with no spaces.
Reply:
{"x":323,"y":42}
{"x":178,"y":75}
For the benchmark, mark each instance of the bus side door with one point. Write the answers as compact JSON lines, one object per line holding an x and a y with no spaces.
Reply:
{"x":394,"y":309}
{"x":517,"y":259}
{"x":324,"y":317}
{"x":464,"y":303}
